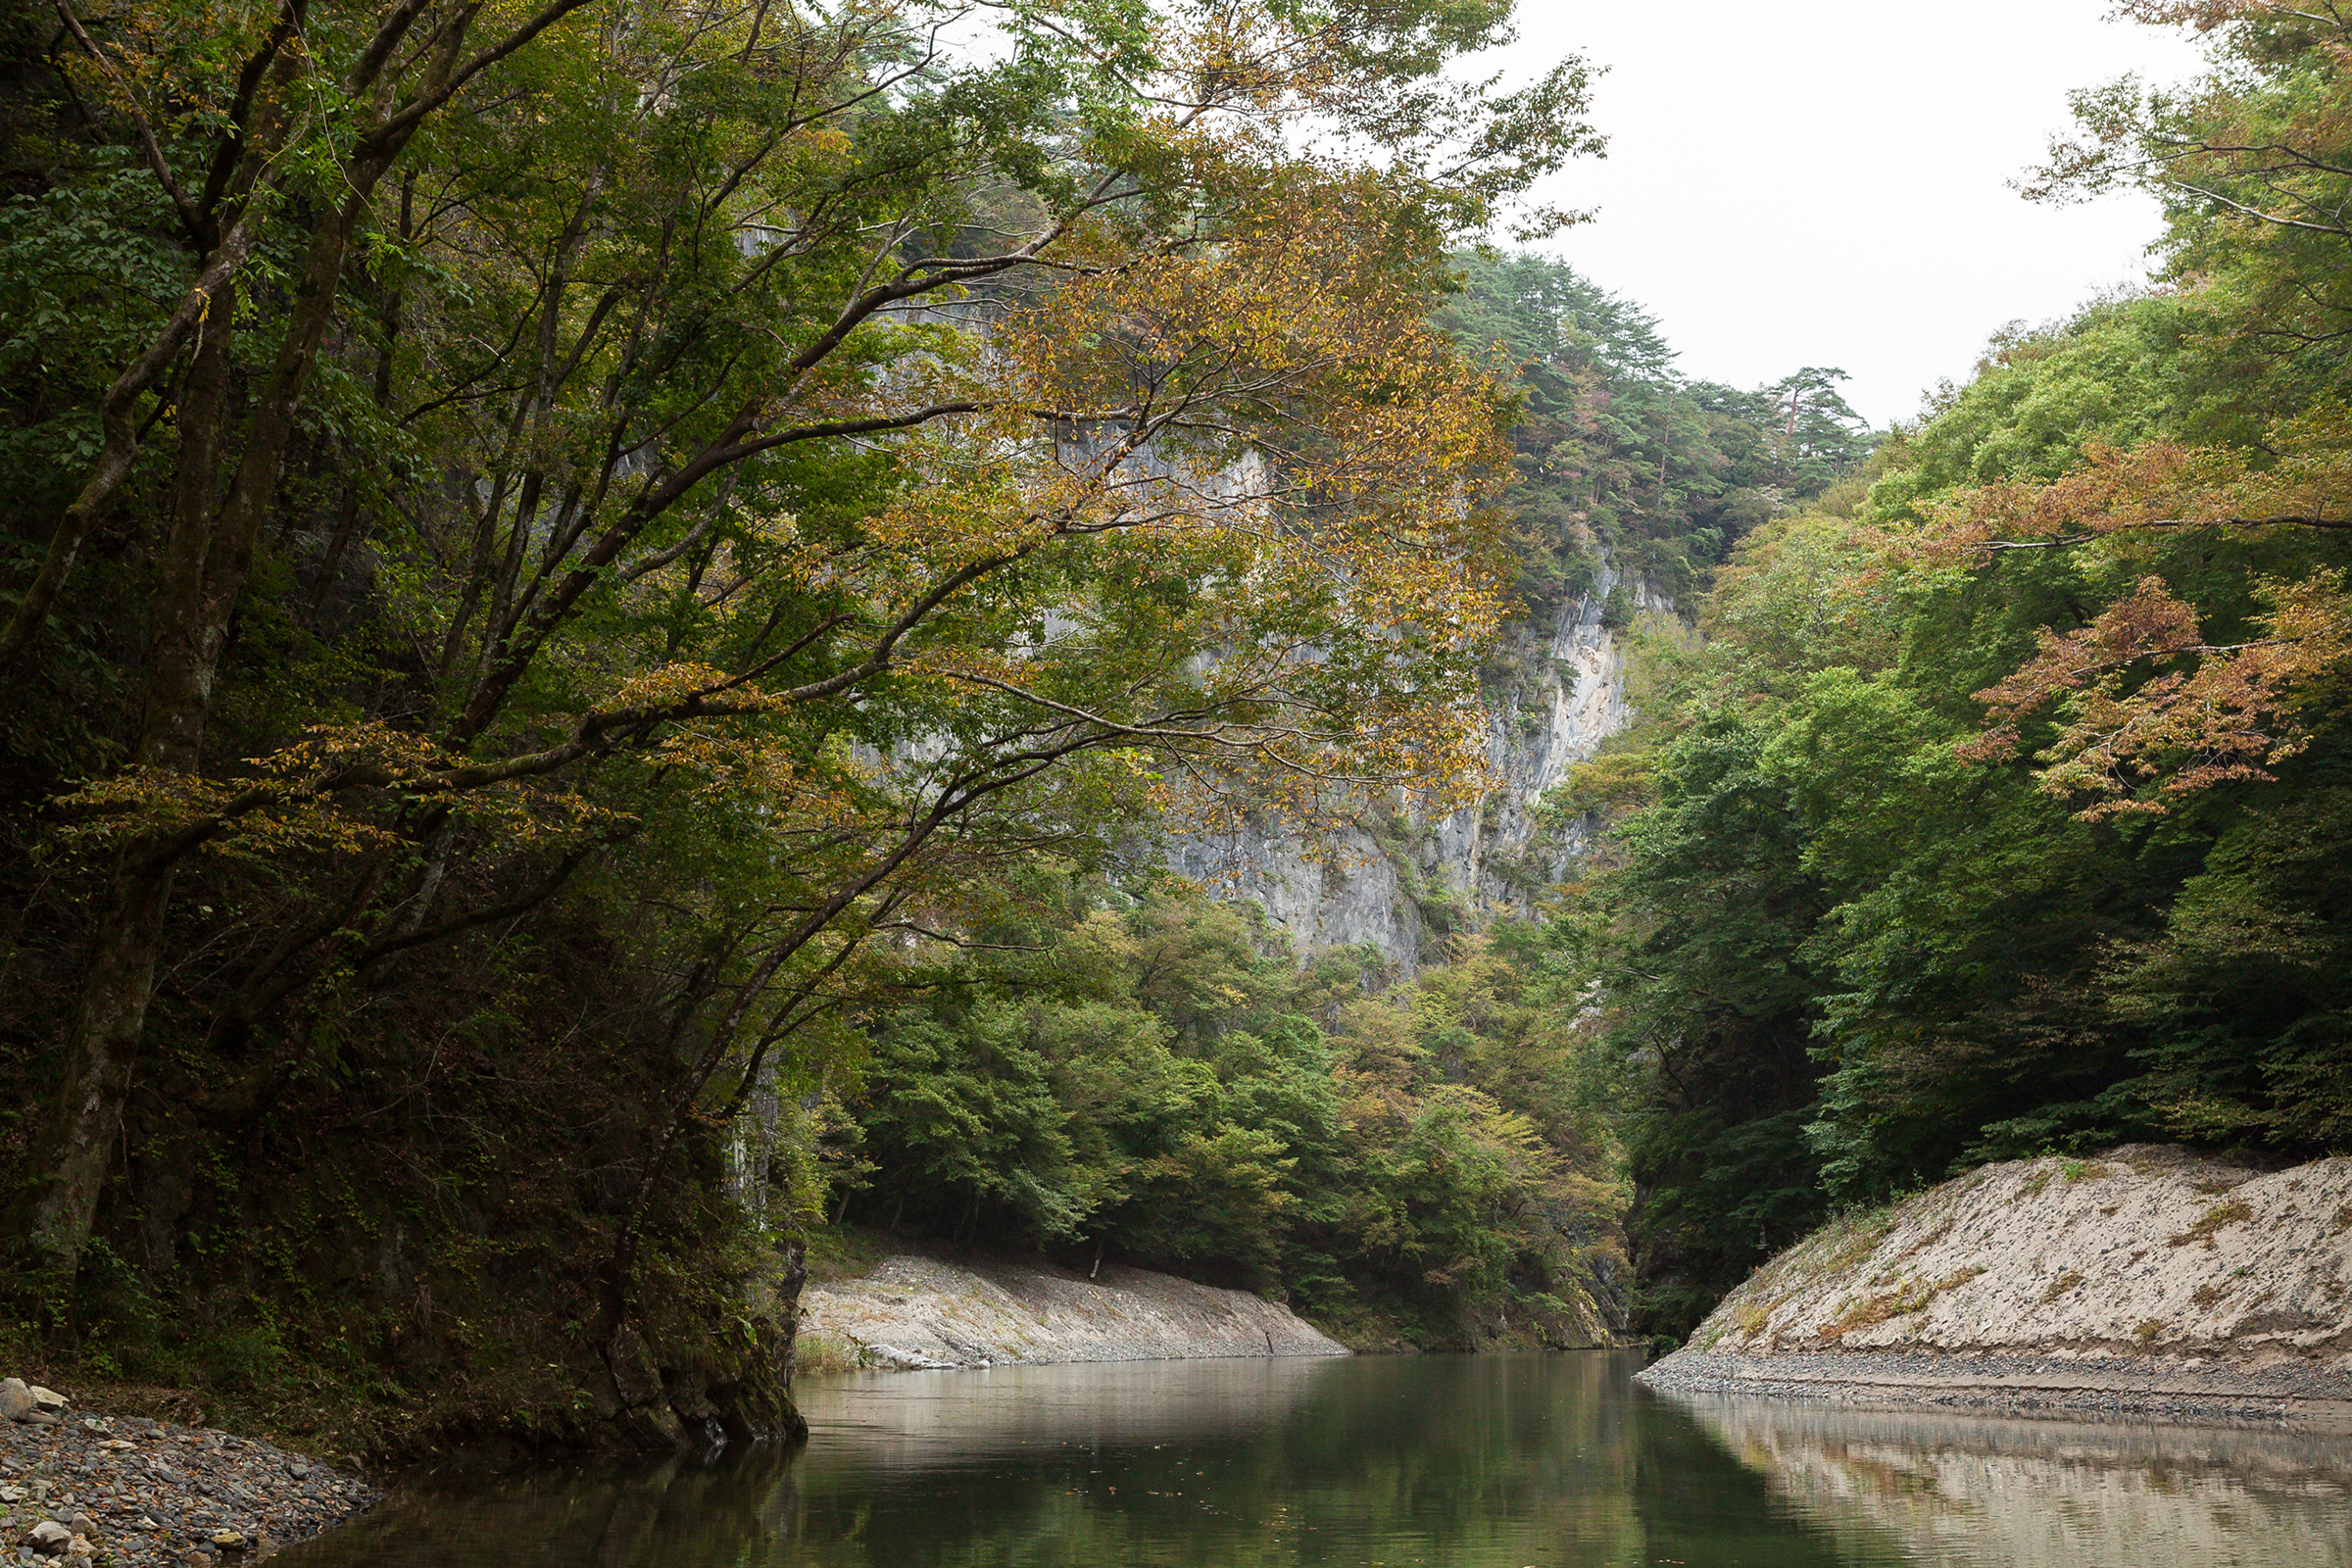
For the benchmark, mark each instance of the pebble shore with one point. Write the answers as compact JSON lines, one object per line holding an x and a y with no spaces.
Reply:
{"x":78,"y":1486}
{"x":2289,"y":1394}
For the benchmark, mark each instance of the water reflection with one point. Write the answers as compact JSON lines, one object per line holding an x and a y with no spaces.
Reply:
{"x":1477,"y":1461}
{"x":2051,"y":1494}
{"x":958,"y":1418}
{"x":1472,"y":1462}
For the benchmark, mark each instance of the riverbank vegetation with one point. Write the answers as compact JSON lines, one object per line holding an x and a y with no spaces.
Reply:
{"x":2004,"y":811}
{"x":1159,"y":1078}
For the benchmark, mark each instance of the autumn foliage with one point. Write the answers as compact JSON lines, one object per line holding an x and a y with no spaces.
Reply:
{"x":2147,"y":708}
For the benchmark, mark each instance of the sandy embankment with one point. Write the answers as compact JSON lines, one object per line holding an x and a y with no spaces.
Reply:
{"x":2147,"y":1280}
{"x":913,"y":1313}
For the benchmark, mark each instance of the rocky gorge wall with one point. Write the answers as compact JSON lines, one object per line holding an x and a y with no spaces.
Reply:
{"x":1399,"y":884}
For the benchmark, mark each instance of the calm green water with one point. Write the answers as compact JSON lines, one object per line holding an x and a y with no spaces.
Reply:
{"x":1467,"y":1461}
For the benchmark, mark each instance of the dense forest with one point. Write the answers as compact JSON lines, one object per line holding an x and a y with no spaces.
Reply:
{"x":1161,"y":1078}
{"x":611,"y":610}
{"x":1616,"y":455}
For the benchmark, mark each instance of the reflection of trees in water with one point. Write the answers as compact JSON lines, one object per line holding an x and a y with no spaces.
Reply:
{"x":1497,"y":1460}
{"x":2048,"y":1494}
{"x":1698,"y":1504}
{"x":1474,"y":1462}
{"x":732,"y":1510}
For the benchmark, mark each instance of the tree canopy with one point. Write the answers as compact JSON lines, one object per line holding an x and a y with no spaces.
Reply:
{"x":1616,"y":454}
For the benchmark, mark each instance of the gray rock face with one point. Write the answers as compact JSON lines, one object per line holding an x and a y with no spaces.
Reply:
{"x":2143,"y":1251}
{"x":2149,"y":1279}
{"x":16,"y":1399}
{"x":1402,"y":885}
{"x":917,"y":1313}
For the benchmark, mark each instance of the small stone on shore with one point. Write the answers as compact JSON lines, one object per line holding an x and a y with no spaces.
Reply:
{"x":140,"y":1493}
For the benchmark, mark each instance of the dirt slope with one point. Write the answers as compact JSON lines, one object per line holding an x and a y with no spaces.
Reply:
{"x":2146,"y":1278}
{"x":915,"y":1312}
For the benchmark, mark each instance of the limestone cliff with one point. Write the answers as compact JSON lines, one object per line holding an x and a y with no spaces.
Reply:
{"x":1401,"y":884}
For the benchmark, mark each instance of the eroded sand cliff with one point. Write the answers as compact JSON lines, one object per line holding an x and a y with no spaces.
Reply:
{"x":911,"y":1312}
{"x":2147,"y":1279}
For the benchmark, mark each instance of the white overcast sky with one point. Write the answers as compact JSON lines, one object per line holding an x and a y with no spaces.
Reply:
{"x":1825,"y":182}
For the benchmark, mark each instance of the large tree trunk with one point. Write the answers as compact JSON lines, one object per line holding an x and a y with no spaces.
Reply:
{"x":102,"y":1053}
{"x":203,"y":573}
{"x":208,"y":557}
{"x":112,"y":1015}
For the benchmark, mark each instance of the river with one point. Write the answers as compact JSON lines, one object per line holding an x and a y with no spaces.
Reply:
{"x":1498,"y":1461}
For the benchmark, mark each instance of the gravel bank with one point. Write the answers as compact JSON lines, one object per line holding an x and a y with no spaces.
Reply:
{"x":2294,"y":1396}
{"x":915,"y":1313}
{"x":81,"y":1486}
{"x":2146,"y":1281}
